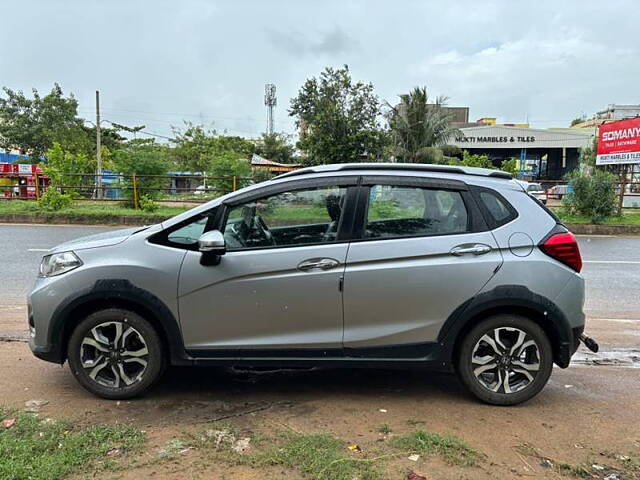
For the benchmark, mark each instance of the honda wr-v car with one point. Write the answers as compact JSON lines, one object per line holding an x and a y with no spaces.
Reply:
{"x":358,"y":265}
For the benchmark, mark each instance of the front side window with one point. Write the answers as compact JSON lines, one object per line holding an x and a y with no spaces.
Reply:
{"x":399,"y":211}
{"x":298,"y":217}
{"x":187,"y":235}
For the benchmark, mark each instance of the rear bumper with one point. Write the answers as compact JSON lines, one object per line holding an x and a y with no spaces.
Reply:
{"x":568,"y":347}
{"x":575,"y":333}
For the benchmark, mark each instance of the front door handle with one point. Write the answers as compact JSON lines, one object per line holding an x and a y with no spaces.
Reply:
{"x":318,"y":264}
{"x":473,"y":248}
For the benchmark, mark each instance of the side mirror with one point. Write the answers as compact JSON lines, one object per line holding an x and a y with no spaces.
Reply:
{"x":212,"y":245}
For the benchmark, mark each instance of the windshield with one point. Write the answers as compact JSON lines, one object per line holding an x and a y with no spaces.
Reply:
{"x":534,"y":187}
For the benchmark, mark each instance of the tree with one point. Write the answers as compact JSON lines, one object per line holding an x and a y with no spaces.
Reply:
{"x":276,"y":147}
{"x":578,"y":120}
{"x":196,"y":147}
{"x":417,"y":124}
{"x":32,"y":125}
{"x":66,"y":168}
{"x":338,"y":119}
{"x":588,"y":156}
{"x":228,"y":165}
{"x":593,"y":194}
{"x":144,"y":158}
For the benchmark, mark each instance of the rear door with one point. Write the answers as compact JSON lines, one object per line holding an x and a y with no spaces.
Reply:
{"x":422,"y":253}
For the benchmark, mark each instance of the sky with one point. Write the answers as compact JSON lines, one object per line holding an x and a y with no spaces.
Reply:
{"x":160,"y":63}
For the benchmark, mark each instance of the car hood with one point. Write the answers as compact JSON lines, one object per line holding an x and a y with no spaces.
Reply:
{"x":105,"y":239}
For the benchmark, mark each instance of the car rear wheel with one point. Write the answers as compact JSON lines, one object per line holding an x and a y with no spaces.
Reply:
{"x":115,"y":354}
{"x":505,"y":360}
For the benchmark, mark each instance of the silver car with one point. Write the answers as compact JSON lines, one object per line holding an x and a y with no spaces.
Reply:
{"x":360,"y":265}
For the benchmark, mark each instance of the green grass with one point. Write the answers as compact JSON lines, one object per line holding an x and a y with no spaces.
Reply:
{"x":320,"y":456}
{"x":454,"y":450}
{"x":630,"y":216}
{"x":92,"y":209}
{"x":384,"y":428}
{"x":415,"y":422}
{"x":37,"y":449}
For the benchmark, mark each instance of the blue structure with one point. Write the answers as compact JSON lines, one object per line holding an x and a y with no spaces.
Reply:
{"x":111,"y":185}
{"x":6,"y":157}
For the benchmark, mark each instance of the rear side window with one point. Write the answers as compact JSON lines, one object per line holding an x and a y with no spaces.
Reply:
{"x":496,"y":210}
{"x":399,"y":211}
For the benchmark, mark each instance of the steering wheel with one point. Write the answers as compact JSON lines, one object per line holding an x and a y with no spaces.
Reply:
{"x":262,"y":230}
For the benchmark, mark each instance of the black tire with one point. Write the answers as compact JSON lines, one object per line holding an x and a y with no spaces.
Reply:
{"x":141,"y":336}
{"x":526,"y":388}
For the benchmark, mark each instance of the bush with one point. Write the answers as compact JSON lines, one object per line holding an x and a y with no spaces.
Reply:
{"x":510,"y":166}
{"x":451,"y":151}
{"x":430,"y":155}
{"x":147,"y":204}
{"x":473,"y":160}
{"x":52,"y":200}
{"x":593,"y":195}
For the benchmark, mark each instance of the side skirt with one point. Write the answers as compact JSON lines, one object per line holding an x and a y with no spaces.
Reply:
{"x":426,"y":355}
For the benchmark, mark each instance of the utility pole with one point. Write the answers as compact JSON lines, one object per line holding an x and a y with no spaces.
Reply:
{"x":270,"y":101}
{"x":98,"y":149}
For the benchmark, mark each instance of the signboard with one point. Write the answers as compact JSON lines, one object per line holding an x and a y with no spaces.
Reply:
{"x":24,"y":169}
{"x":496,"y":139}
{"x":619,"y":142}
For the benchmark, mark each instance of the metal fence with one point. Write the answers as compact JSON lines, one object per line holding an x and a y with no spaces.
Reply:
{"x":189,"y":188}
{"x":118,"y":187}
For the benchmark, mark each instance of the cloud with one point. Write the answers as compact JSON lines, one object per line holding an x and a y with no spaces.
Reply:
{"x":294,"y":42}
{"x":158,"y":62}
{"x":548,"y":77}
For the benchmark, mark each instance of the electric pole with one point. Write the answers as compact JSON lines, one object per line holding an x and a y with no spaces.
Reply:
{"x":270,"y":101}
{"x":98,"y":149}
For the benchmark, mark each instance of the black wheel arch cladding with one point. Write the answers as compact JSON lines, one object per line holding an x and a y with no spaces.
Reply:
{"x":516,"y":299}
{"x":119,"y":293}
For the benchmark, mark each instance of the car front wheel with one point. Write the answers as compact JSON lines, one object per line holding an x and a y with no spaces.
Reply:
{"x":115,"y":354}
{"x":505,"y":360}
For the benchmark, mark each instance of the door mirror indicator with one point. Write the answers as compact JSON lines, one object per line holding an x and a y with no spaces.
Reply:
{"x":212,"y":245}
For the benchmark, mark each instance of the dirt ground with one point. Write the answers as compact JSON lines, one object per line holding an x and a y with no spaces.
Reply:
{"x":589,"y":413}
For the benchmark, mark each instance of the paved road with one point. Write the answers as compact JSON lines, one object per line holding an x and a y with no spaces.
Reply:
{"x":23,"y":247}
{"x":612,"y":266}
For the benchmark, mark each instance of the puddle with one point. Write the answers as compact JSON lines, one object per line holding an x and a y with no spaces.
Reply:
{"x":621,"y":357}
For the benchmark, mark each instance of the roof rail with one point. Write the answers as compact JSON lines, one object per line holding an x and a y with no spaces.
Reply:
{"x":424,"y":167}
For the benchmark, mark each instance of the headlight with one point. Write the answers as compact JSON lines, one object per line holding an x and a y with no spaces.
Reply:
{"x":58,"y":263}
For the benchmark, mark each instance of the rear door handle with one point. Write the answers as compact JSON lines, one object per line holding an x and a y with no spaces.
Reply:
{"x":318,"y":264}
{"x":474,"y":248}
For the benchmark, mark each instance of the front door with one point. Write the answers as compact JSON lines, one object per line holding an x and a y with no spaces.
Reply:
{"x":418,"y":260}
{"x":278,"y":285}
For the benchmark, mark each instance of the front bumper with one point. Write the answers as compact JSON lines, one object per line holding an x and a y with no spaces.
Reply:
{"x":46,"y":352}
{"x":42,"y":303}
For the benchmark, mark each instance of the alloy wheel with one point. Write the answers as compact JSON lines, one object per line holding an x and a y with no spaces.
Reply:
{"x":114,"y":354}
{"x":505,"y":360}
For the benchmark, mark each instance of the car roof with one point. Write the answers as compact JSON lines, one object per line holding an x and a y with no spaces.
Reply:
{"x":423,"y":167}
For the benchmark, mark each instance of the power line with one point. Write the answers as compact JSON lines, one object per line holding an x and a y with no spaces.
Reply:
{"x":178,"y":114}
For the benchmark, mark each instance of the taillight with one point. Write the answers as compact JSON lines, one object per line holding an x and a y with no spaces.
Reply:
{"x":564,"y":248}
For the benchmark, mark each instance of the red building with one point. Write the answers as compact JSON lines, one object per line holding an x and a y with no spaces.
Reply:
{"x":22,"y":181}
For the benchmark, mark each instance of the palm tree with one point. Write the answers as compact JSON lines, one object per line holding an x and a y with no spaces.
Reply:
{"x":418,"y":125}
